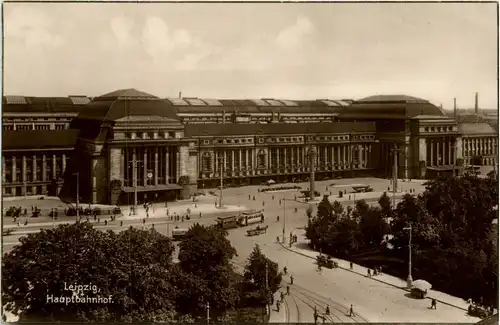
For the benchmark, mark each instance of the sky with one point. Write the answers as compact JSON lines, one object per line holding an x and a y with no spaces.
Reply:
{"x":434,"y":51}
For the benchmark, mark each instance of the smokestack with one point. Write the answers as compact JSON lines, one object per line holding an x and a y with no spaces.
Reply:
{"x":476,"y":106}
{"x":180,"y":94}
{"x":454,"y":108}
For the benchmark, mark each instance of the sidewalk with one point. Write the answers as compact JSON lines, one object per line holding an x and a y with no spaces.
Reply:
{"x":278,"y":316}
{"x":383,"y":278}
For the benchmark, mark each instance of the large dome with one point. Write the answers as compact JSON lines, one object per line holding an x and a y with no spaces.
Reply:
{"x":127,"y":102}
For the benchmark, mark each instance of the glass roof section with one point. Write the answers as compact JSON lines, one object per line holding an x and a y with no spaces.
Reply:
{"x":15,"y":100}
{"x":330,"y":103}
{"x":260,"y":102}
{"x":212,"y":102}
{"x":178,"y":102}
{"x":274,"y":102}
{"x":288,"y":102}
{"x":195,"y":102}
{"x":79,"y":100}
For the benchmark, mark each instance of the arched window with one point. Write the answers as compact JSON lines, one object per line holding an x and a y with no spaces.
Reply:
{"x":206,"y":162}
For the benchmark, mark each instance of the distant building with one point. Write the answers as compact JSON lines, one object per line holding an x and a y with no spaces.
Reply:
{"x":180,"y":144}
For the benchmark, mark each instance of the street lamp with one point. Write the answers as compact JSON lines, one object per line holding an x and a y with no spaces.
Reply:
{"x":409,"y":280}
{"x":221,"y":161}
{"x":284,"y":218}
{"x":77,"y":174}
{"x":135,"y":172}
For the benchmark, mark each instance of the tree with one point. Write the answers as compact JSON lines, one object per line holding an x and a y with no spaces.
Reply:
{"x":361,"y":208}
{"x":385,"y":205}
{"x":373,"y":228}
{"x":205,"y":255}
{"x":255,"y":271}
{"x":131,"y":267}
{"x":338,"y":208}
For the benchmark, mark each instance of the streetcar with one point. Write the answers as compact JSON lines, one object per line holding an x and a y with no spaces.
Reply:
{"x":227,"y":222}
{"x":250,"y":217}
{"x":178,"y":234}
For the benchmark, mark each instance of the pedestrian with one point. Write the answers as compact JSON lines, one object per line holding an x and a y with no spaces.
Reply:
{"x":153,"y":226}
{"x":121,"y":223}
{"x":280,"y":201}
{"x":105,"y":222}
{"x":433,"y":303}
{"x":144,"y":221}
{"x":272,"y":197}
{"x":369,"y":274}
{"x":277,"y":239}
{"x":351,"y":311}
{"x":249,"y":197}
{"x":285,"y":270}
{"x":327,"y":310}
{"x":263,"y":203}
{"x":200,"y":214}
{"x":98,"y":220}
{"x":315,"y":315}
{"x":282,"y":295}
{"x":291,"y":279}
{"x":278,"y":306}
{"x":350,"y":265}
{"x":287,"y":290}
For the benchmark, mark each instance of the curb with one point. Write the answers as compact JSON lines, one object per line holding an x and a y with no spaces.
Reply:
{"x":381,"y":281}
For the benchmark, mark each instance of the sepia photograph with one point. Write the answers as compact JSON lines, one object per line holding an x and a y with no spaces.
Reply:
{"x":239,"y":162}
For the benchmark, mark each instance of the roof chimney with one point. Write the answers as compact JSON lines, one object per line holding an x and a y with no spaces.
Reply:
{"x":180,"y":94}
{"x":455,"y":108}
{"x":476,"y":106}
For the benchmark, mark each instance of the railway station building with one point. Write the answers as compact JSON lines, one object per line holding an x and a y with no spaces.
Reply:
{"x":167,"y":148}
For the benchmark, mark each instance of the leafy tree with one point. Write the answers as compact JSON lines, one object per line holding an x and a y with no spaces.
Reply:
{"x":204,"y":257}
{"x":385,"y":205}
{"x":132,"y":267}
{"x":373,"y":228}
{"x":255,"y":271}
{"x":338,"y":208}
{"x":361,"y":208}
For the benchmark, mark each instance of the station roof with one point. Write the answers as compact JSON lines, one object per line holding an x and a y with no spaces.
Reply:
{"x":395,"y":105}
{"x":38,"y":139}
{"x":23,"y":104}
{"x":196,"y":130}
{"x":476,"y":129}
{"x":126,"y":102}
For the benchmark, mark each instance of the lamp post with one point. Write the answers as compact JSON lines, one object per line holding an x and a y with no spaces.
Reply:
{"x":311,"y":155}
{"x":77,"y":174}
{"x":208,"y":312}
{"x":284,"y":219}
{"x":409,"y":280}
{"x":135,"y":166}
{"x":395,"y":152}
{"x":221,"y":161}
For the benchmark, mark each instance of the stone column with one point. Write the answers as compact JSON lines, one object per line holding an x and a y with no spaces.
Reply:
{"x":232,"y":162}
{"x":24,"y":174}
{"x":450,"y":152}
{"x":444,"y":152}
{"x":44,"y":168}
{"x":3,"y":170}
{"x":339,"y":156}
{"x":277,"y":150}
{"x":156,"y":166}
{"x":14,"y":174}
{"x":63,"y":164}
{"x":332,"y":156}
{"x":145,"y":164}
{"x":33,"y":163}
{"x":240,"y":160}
{"x":178,"y":159}
{"x":438,"y":154}
{"x":167,"y":158}
{"x":54,"y":172}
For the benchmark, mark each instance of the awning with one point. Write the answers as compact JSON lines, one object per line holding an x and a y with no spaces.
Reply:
{"x":152,"y":188}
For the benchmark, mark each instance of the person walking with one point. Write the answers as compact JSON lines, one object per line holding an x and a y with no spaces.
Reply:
{"x":291,"y":279}
{"x":121,"y":223}
{"x":278,"y":306}
{"x":327,"y":310}
{"x":287,"y":290}
{"x":350,"y":265}
{"x":433,"y":303}
{"x":351,"y":311}
{"x":369,"y":274}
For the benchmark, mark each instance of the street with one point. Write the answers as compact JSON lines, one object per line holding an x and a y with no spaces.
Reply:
{"x":372,"y":300}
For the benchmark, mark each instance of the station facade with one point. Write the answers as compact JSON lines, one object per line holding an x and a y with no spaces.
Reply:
{"x":167,"y":148}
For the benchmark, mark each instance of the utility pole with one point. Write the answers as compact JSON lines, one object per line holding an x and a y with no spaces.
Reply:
{"x":221,"y":161}
{"x":267,"y":289}
{"x":395,"y":152}
{"x":312,"y":156}
{"x":77,"y":174}
{"x":208,"y":312}
{"x":135,"y":166}
{"x":284,"y":219}
{"x":409,"y":280}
